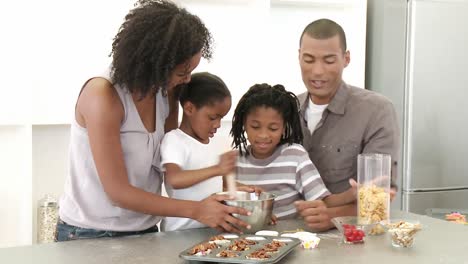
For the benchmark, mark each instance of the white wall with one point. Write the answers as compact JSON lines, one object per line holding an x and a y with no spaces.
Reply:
{"x":49,"y":163}
{"x":49,"y":48}
{"x":256,"y":42}
{"x":59,"y":45}
{"x":16,"y":186}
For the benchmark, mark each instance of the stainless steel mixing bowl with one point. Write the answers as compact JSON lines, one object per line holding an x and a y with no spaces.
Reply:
{"x":260,"y":206}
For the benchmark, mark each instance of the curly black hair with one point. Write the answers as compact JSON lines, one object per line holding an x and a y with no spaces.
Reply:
{"x":156,"y":36}
{"x":264,"y":95}
{"x":203,"y":89}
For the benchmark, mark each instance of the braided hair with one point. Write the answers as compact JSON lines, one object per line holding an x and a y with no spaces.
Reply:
{"x":155,"y":37}
{"x":264,"y":95}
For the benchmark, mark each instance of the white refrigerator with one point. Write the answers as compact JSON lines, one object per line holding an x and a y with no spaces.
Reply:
{"x":417,"y":55}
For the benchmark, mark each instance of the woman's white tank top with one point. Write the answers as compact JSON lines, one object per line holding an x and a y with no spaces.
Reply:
{"x":84,"y":202}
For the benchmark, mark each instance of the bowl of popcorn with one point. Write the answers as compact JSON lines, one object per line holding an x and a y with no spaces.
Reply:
{"x":373,"y":204}
{"x":402,"y":232}
{"x":352,"y":232}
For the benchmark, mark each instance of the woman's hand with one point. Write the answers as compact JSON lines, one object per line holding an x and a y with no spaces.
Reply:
{"x":213,"y":213}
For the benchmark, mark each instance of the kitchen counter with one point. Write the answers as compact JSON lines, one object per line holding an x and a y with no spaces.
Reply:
{"x":438,"y":242}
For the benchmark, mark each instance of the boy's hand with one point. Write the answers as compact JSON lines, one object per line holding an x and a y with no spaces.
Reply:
{"x":213,"y":213}
{"x":227,"y":162}
{"x":315,"y":214}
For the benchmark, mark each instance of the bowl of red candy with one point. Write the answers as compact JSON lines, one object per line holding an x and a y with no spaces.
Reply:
{"x":352,"y":232}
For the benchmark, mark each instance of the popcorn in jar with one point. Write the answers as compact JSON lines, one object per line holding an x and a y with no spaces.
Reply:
{"x":47,"y":217}
{"x":374,"y":174}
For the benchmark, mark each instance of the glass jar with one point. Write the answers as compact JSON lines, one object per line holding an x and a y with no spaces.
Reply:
{"x":374,"y":176}
{"x":47,"y":217}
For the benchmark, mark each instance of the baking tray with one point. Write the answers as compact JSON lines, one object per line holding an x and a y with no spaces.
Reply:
{"x":290,"y":244}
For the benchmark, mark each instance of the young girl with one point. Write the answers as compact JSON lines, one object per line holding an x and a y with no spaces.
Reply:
{"x":193,"y":166}
{"x":275,"y":160}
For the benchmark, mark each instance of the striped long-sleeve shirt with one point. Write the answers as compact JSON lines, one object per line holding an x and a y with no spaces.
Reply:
{"x":288,"y":173}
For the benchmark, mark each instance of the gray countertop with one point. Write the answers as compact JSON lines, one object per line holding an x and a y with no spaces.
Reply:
{"x":438,"y":242}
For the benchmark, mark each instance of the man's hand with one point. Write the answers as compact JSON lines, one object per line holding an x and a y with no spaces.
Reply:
{"x":392,"y":193}
{"x":354,"y":187}
{"x":213,"y":213}
{"x":315,"y":214}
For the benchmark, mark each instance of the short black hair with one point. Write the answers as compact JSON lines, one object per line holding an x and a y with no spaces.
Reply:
{"x":203,"y":89}
{"x":323,"y":29}
{"x":265,"y":95}
{"x":155,"y":37}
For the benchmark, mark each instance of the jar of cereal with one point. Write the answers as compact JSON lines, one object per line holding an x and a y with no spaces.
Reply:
{"x":374,"y":176}
{"x":47,"y":217}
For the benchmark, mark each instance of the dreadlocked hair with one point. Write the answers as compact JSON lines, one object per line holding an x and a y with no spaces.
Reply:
{"x":264,"y":95}
{"x":155,"y":37}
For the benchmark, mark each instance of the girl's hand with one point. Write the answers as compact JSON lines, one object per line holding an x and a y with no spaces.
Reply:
{"x":315,"y":214}
{"x":250,"y":189}
{"x":227,"y":162}
{"x":213,"y":213}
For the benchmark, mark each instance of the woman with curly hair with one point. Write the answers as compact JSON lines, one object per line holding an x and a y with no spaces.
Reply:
{"x":114,"y":183}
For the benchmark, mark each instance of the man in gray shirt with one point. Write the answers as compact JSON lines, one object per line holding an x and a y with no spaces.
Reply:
{"x":339,"y":121}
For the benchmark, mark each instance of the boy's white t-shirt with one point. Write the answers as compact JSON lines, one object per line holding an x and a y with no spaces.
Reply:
{"x":189,"y":154}
{"x":313,"y":114}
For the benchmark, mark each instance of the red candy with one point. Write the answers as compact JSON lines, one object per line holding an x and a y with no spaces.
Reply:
{"x":352,"y":234}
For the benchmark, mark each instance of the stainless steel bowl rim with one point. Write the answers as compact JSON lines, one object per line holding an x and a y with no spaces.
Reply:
{"x":273,"y":196}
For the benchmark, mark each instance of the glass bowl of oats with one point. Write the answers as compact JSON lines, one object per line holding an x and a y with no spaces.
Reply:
{"x":402,"y":231}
